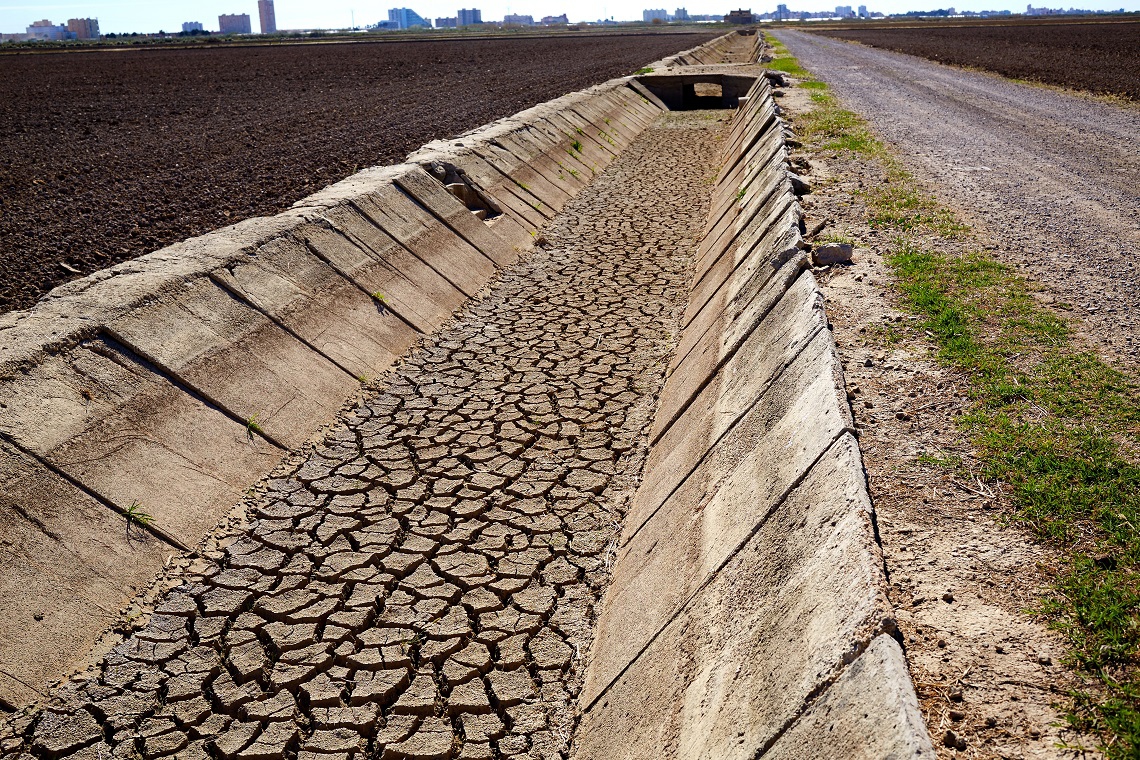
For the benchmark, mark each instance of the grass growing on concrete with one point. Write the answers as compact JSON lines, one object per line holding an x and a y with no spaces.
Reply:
{"x":1052,"y":423}
{"x":135,"y":514}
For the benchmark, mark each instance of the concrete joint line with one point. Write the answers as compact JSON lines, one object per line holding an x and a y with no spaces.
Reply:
{"x":728,"y":429}
{"x":711,"y":576}
{"x":444,"y":222}
{"x":151,"y":528}
{"x":363,"y":246}
{"x":514,"y":187}
{"x":885,"y":628}
{"x":727,"y":356}
{"x":364,"y":214}
{"x":176,"y":380}
{"x":225,"y":285}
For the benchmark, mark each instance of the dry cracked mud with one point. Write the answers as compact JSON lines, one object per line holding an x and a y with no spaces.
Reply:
{"x":423,"y":585}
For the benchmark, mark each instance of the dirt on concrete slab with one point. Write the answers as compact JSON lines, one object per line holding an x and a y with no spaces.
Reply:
{"x":108,"y":155}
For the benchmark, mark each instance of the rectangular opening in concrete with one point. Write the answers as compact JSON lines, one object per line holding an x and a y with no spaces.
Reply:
{"x":689,"y":92}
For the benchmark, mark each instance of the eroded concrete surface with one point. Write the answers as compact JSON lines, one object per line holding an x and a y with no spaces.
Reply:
{"x":424,"y":585}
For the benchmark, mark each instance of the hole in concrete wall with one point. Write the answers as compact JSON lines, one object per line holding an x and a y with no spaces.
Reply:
{"x":456,"y":182}
{"x":705,"y":95}
{"x":708,"y":90}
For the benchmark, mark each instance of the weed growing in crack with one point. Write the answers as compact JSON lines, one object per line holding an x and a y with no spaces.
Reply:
{"x":136,"y":515}
{"x":253,"y":427}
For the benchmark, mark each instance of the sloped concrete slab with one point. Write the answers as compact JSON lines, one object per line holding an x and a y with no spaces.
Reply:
{"x":776,"y":623}
{"x":68,"y":567}
{"x":426,"y":191}
{"x":869,"y":713}
{"x":458,"y":261}
{"x":681,"y":529}
{"x":328,"y":311}
{"x":369,"y":257}
{"x":712,"y":409}
{"x":106,"y":419}
{"x":711,"y":346}
{"x":237,"y":358}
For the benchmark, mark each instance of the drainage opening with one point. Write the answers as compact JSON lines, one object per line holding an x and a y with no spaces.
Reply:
{"x":689,"y":92}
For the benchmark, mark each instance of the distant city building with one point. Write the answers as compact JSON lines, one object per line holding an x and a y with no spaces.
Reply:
{"x":680,"y":15}
{"x":515,"y":18}
{"x":234,"y":23}
{"x":192,"y":26}
{"x":470,"y":16}
{"x":740,"y":16}
{"x":863,"y":11}
{"x":844,"y":11}
{"x":267,"y":15}
{"x":654,"y":14}
{"x":446,"y":23}
{"x":405,"y":18}
{"x":45,"y":31}
{"x":551,"y":20}
{"x":84,"y":28}
{"x":1031,"y":11}
{"x":782,"y":13}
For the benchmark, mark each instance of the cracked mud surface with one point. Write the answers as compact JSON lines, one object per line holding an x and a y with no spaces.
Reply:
{"x":423,"y":586}
{"x":1050,"y":179}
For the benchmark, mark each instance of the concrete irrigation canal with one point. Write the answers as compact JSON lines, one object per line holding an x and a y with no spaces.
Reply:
{"x":600,"y":496}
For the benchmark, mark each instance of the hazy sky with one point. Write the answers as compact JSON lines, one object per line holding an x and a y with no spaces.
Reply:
{"x":152,"y":15}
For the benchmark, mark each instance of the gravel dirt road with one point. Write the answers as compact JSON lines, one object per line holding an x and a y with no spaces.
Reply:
{"x":1051,"y":179}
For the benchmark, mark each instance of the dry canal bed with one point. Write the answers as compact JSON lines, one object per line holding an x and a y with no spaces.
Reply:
{"x":423,"y":586}
{"x":110,"y":155}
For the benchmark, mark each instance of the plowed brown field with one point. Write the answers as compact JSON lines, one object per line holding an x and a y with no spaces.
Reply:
{"x":1101,"y":57}
{"x":109,"y":155}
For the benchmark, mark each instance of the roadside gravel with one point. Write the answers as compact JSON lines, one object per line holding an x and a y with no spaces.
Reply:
{"x":1051,"y":180}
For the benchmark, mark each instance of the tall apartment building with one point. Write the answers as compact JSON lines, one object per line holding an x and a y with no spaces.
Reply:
{"x":234,"y":23}
{"x":405,"y":18}
{"x":84,"y":28}
{"x":444,"y":22}
{"x":551,"y":20}
{"x":680,"y":15}
{"x":46,"y":31}
{"x":740,"y":16}
{"x":268,"y":17}
{"x":192,"y":26}
{"x":655,"y":14}
{"x":515,"y":18}
{"x":470,"y":16}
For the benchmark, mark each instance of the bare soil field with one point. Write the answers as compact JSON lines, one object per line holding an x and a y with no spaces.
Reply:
{"x":108,"y":155}
{"x":1098,"y":57}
